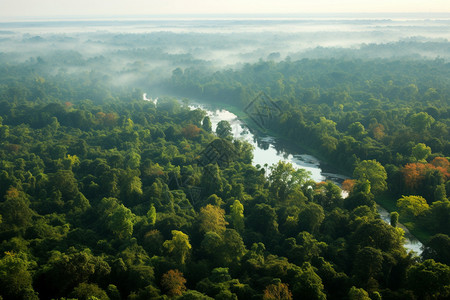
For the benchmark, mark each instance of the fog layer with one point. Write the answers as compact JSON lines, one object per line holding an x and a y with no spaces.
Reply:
{"x":145,"y":51}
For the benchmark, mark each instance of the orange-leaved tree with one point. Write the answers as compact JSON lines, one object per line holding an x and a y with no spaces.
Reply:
{"x":279,"y":291}
{"x":173,"y":283}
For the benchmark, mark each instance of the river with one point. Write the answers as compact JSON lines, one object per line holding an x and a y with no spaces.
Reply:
{"x":269,"y":150}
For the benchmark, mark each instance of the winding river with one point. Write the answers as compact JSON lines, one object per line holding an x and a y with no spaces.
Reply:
{"x":269,"y":150}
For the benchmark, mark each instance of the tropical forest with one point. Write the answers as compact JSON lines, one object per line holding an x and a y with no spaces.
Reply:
{"x":118,"y":180}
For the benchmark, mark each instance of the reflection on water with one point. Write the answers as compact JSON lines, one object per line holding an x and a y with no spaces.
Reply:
{"x":268,"y":150}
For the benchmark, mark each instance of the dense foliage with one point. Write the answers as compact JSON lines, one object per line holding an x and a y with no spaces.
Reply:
{"x":118,"y":199}
{"x":106,"y":196}
{"x":392,"y":113}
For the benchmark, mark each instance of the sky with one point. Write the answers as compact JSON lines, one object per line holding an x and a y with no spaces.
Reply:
{"x":62,"y":8}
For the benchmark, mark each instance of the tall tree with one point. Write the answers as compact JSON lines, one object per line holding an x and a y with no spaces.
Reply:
{"x":212,"y":218}
{"x":224,"y":130}
{"x":237,"y":215}
{"x":178,"y":246}
{"x":284,"y":178}
{"x":278,"y":291}
{"x":120,"y":222}
{"x":420,"y":152}
{"x":206,"y":124}
{"x":173,"y":283}
{"x":374,"y":172}
{"x":421,"y":121}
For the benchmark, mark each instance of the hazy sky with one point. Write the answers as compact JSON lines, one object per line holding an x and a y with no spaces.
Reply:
{"x":55,"y":8}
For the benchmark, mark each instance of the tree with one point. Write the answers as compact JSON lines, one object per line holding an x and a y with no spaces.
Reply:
{"x":120,"y":222}
{"x":263,"y":219}
{"x":191,"y":131}
{"x":348,"y":185}
{"x":421,"y":151}
{"x":117,"y":218}
{"x":133,"y":160}
{"x":212,"y":218}
{"x":378,"y":131}
{"x":311,"y":217}
{"x":233,"y":248}
{"x":178,"y":246}
{"x":173,"y":283}
{"x":89,"y":291}
{"x":413,"y":205}
{"x":308,"y":285}
{"x":72,"y":160}
{"x":394,"y":218}
{"x":131,"y":187}
{"x":413,"y":174}
{"x":438,"y":219}
{"x":15,"y":210}
{"x":429,"y":280}
{"x":377,"y":234}
{"x":224,"y":250}
{"x":326,"y":127}
{"x":358,"y":294}
{"x":368,"y":263}
{"x":64,"y":183}
{"x":278,"y":291}
{"x":284,"y":179}
{"x":441,"y":162}
{"x":211,"y":244}
{"x":329,"y":143}
{"x":421,"y":121}
{"x":440,"y":193}
{"x":206,"y":124}
{"x":15,"y":278}
{"x":65,"y":271}
{"x":438,"y":248}
{"x":211,"y":181}
{"x":224,"y":130}
{"x":374,"y":172}
{"x":237,"y":215}
{"x":151,"y":215}
{"x":357,"y":130}
{"x":304,"y":248}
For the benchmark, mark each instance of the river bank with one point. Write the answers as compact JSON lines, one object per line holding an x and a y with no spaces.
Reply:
{"x":327,"y":165}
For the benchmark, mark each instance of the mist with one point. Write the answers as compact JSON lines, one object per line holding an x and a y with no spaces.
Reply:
{"x":143,"y":53}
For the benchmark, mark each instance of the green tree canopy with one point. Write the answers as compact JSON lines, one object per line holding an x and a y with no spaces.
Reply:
{"x":430,"y":279}
{"x":178,"y":246}
{"x":413,"y":205}
{"x":374,"y":172}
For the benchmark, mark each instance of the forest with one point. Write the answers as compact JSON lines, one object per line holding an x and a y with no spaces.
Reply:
{"x":106,"y":196}
{"x":393,"y":113}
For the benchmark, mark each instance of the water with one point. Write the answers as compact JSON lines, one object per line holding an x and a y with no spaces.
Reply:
{"x":411,"y":242}
{"x":267,"y":152}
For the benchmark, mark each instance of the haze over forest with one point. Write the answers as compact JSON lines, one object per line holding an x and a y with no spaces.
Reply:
{"x":143,"y":50}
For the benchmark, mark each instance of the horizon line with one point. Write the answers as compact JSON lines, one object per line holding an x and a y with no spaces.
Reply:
{"x":231,"y":15}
